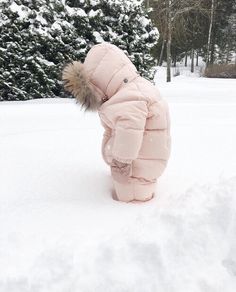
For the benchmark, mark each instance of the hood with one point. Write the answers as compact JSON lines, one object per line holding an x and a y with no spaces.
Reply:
{"x":105,"y":69}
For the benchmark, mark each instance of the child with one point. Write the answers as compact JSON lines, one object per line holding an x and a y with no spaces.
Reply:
{"x":136,"y":141}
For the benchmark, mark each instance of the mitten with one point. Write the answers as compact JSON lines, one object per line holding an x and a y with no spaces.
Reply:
{"x":121,"y":171}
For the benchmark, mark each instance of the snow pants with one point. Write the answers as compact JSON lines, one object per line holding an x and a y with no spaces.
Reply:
{"x":133,"y":190}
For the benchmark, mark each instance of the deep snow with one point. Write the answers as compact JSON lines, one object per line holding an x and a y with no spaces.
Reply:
{"x":60,"y":230}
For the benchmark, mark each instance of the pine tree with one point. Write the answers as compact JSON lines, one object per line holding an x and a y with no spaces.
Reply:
{"x":223,"y":35}
{"x":125,"y":24}
{"x":38,"y":37}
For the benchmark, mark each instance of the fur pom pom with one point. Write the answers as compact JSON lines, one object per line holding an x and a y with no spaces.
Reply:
{"x":76,"y":82}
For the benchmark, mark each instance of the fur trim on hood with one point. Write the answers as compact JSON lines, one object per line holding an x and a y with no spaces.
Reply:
{"x":77,"y":83}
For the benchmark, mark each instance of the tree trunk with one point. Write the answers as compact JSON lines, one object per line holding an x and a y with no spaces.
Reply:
{"x":175,"y":59}
{"x":186,"y":59}
{"x":168,"y":50}
{"x":210,"y":31}
{"x":212,"y":49}
{"x":192,"y":60}
{"x":162,"y":51}
{"x":197,"y":58}
{"x":228,"y":46}
{"x":227,"y":54}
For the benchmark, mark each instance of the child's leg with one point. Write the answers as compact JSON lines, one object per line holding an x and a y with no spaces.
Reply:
{"x":144,"y":192}
{"x":134,"y":191}
{"x":124,"y":191}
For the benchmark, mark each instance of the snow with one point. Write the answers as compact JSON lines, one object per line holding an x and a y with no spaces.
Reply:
{"x":45,"y":62}
{"x":98,"y":37}
{"x":41,"y":19}
{"x":56,"y":25}
{"x":187,"y":87}
{"x":112,"y":33}
{"x":144,"y":21}
{"x":22,"y":10}
{"x":75,"y":11}
{"x":94,"y":2}
{"x":94,"y":13}
{"x":60,"y":230}
{"x":3,"y":19}
{"x":41,"y":30}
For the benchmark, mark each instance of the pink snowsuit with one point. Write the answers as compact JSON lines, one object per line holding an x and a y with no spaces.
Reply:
{"x":135,"y":118}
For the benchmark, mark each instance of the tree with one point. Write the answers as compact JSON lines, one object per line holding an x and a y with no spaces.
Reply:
{"x":169,"y":36}
{"x":223,"y":31}
{"x":38,"y":37}
{"x":210,"y":30}
{"x":173,"y":19}
{"x":127,"y":25}
{"x":204,"y":28}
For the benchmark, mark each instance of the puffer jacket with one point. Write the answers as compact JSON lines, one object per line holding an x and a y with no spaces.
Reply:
{"x":135,"y":117}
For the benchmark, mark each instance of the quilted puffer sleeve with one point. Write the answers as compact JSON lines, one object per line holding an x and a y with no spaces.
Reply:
{"x":129,"y":119}
{"x":106,"y":137}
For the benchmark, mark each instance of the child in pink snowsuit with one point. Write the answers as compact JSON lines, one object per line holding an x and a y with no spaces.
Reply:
{"x":136,"y":141}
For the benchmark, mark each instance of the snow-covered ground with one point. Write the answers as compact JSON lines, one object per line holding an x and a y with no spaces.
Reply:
{"x":60,"y":230}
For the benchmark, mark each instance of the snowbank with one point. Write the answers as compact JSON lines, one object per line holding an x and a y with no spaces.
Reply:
{"x":61,"y":231}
